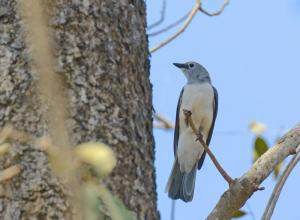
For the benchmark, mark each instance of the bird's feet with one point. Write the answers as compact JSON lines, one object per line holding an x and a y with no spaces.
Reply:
{"x":187,"y":115}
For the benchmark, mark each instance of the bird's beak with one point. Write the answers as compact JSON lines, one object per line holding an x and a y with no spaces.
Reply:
{"x":181,"y":65}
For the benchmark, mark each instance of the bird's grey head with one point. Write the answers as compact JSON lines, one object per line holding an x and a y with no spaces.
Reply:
{"x":194,"y":72}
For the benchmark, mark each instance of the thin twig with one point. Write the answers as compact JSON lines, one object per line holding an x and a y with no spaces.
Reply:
{"x":165,"y":29}
{"x":278,"y":188}
{"x":181,"y":30}
{"x":226,"y":2}
{"x":164,"y":123}
{"x":188,"y":117}
{"x":162,"y":16}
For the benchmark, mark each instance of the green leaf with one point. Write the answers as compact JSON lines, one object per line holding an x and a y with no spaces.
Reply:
{"x":238,"y":214}
{"x":91,"y":202}
{"x":126,"y":214}
{"x":260,"y":147}
{"x":116,"y":208}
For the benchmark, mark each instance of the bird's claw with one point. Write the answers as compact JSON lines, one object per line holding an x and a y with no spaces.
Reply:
{"x":187,"y":115}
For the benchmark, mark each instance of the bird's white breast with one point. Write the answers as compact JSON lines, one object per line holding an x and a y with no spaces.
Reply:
{"x":198,"y":98}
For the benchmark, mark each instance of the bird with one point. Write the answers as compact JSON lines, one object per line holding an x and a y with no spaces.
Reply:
{"x":201,"y":98}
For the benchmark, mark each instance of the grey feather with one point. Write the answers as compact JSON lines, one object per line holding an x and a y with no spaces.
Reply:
{"x":181,"y":185}
{"x":176,"y":132}
{"x":202,"y":158}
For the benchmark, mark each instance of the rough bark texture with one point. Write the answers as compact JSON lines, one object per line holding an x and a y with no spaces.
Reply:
{"x":240,"y":191}
{"x":102,"y":52}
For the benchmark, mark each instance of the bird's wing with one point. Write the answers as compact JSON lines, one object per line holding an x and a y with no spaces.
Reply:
{"x":215,"y":107}
{"x":176,"y":133}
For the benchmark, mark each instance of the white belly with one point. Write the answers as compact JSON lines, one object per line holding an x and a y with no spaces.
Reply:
{"x":198,"y":98}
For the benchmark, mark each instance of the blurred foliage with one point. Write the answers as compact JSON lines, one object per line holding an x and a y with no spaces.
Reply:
{"x":260,"y":144}
{"x":98,"y":155}
{"x":239,"y":213}
{"x":4,"y":148}
{"x":260,"y":147}
{"x":257,"y":127}
{"x":94,"y":161}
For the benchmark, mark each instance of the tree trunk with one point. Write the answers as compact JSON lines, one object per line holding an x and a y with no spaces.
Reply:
{"x":102,"y":52}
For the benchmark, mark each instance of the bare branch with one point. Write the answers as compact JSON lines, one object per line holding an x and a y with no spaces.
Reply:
{"x":165,"y":29}
{"x":164,"y":123}
{"x":240,"y":191}
{"x":226,"y":2}
{"x":278,"y":188}
{"x":195,"y":9}
{"x":190,"y":122}
{"x":162,"y":16}
{"x":181,"y":30}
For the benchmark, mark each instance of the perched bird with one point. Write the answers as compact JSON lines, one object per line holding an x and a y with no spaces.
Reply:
{"x":201,"y":98}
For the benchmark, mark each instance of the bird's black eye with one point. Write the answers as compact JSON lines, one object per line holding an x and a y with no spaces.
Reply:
{"x":191,"y":65}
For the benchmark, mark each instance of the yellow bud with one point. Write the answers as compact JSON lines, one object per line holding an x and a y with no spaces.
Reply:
{"x":99,"y":155}
{"x":3,"y":148}
{"x":257,"y":127}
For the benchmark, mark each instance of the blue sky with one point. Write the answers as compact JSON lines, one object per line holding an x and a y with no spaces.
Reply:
{"x":252,"y":52}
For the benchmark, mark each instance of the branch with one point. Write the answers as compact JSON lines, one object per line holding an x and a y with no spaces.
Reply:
{"x":278,"y":188}
{"x":164,"y":123}
{"x":190,"y":122}
{"x":240,"y":191}
{"x":182,"y":19}
{"x":181,"y":30}
{"x":195,"y":9}
{"x":162,"y":16}
{"x":226,"y":2}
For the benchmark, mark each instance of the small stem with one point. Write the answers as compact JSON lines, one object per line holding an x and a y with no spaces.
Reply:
{"x":188,"y":117}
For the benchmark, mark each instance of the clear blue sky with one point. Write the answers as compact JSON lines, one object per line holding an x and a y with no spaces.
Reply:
{"x":252,"y":52}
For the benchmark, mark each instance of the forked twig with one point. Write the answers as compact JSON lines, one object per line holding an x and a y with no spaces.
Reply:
{"x":226,"y":2}
{"x":197,"y":7}
{"x":188,"y":118}
{"x":182,"y":29}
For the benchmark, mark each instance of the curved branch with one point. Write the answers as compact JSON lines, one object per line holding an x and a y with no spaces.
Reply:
{"x":181,"y":30}
{"x":165,"y":29}
{"x":162,"y":16}
{"x":278,"y":188}
{"x":226,"y":2}
{"x":240,"y":191}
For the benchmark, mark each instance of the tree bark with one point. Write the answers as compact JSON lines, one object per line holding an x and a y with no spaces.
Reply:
{"x":102,"y":53}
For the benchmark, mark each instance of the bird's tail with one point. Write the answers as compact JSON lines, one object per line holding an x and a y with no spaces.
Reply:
{"x":181,"y":185}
